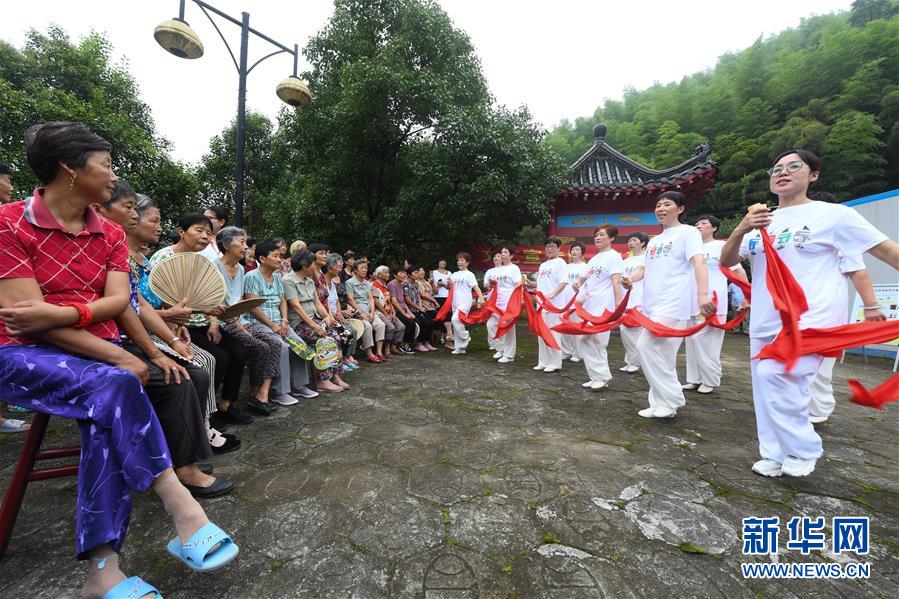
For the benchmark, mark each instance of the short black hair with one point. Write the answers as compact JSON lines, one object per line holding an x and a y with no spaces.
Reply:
{"x":191,"y":219}
{"x":251,"y":241}
{"x":578,"y":244}
{"x":220,"y":212}
{"x":553,"y":239}
{"x":4,"y":169}
{"x":264,"y":249}
{"x":643,"y":237}
{"x":716,"y":224}
{"x":318,"y":247}
{"x":675,"y":196}
{"x":301,"y":259}
{"x":349,"y":254}
{"x":807,"y":156}
{"x":823,"y":196}
{"x":122,"y":190}
{"x":49,"y":144}
{"x":504,"y":246}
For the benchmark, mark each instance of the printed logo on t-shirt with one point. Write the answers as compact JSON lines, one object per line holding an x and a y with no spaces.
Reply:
{"x":783,"y":238}
{"x":545,"y":271}
{"x":801,"y":236}
{"x":660,"y":250}
{"x":755,"y":244}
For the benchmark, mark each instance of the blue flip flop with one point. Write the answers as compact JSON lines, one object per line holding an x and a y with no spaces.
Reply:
{"x":132,"y":588}
{"x":196,"y":551}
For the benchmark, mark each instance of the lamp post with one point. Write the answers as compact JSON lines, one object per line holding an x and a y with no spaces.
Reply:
{"x":177,"y":38}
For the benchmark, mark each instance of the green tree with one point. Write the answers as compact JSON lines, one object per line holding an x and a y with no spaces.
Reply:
{"x":52,"y":78}
{"x":864,"y":11}
{"x":402,"y":148}
{"x":853,"y":156}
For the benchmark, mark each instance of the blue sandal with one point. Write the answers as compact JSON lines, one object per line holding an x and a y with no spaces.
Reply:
{"x":132,"y":588}
{"x":196,"y":551}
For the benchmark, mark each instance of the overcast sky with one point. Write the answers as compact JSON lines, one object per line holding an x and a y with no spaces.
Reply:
{"x":560,"y":58}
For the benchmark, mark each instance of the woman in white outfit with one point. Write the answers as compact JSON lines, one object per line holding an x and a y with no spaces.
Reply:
{"x":675,"y":269}
{"x":497,"y":262}
{"x":462,"y":282}
{"x":633,"y":264}
{"x":704,"y":348}
{"x":576,"y":269}
{"x":810,"y":237}
{"x":503,"y":280}
{"x":551,"y":282}
{"x":600,"y":291}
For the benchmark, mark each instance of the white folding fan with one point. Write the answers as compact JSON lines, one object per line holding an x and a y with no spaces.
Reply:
{"x":188,"y":276}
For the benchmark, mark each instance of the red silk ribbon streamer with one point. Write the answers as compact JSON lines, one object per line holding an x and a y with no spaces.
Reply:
{"x":509,"y":317}
{"x":479,"y":316}
{"x":447,"y":305}
{"x":792,"y":342}
{"x":545,"y":304}
{"x":537,"y":324}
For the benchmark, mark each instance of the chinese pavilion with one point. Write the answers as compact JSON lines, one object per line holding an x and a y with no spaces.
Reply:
{"x":606,"y":186}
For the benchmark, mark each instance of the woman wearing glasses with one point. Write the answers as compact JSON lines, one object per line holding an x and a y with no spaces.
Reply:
{"x":810,"y":237}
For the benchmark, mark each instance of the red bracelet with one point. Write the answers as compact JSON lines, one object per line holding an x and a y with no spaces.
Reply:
{"x":85,"y":316}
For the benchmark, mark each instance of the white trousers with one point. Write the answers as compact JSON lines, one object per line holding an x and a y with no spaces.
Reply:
{"x":821,"y":400}
{"x":596,"y":358}
{"x":781,"y":401}
{"x":505,"y":344}
{"x":658,"y":361}
{"x":704,"y":356}
{"x":461,"y":336}
{"x":549,"y":357}
{"x":569,"y":346}
{"x":629,"y":337}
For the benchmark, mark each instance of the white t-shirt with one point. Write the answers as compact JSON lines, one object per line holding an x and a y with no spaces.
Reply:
{"x":631,"y":265}
{"x":440,"y":291}
{"x":551,"y":273}
{"x":598,"y":293}
{"x":506,"y":278}
{"x":463,"y":282}
{"x":717,"y":280}
{"x":212,"y":252}
{"x":573,"y":272}
{"x":669,"y":280}
{"x":810,"y":238}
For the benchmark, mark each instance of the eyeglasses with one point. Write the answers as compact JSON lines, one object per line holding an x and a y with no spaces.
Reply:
{"x":790,"y":167}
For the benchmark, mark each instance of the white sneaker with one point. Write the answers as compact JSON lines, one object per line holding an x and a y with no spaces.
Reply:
{"x":539,"y":367}
{"x":306,"y":392}
{"x":689,"y":387}
{"x":626,"y":368}
{"x":551,"y":369}
{"x":767,"y":468}
{"x":705,"y":389}
{"x":458,"y":351}
{"x":647,"y":412}
{"x":588,"y":384}
{"x":817,"y":419}
{"x":565,"y":356}
{"x":596,"y":385}
{"x":505,"y":360}
{"x":797,"y":466}
{"x":286,"y":399}
{"x":498,"y":355}
{"x":575,"y":359}
{"x":657,"y":413}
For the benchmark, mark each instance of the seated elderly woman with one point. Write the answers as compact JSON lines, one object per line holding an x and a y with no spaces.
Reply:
{"x":328,"y":267}
{"x":359,"y":297}
{"x":309,"y":317}
{"x":427,"y":300}
{"x":394,"y":329}
{"x":270,"y":319}
{"x":194,"y":232}
{"x":249,"y":258}
{"x":264,"y":350}
{"x":63,"y":279}
{"x":177,"y":389}
{"x":398,"y":299}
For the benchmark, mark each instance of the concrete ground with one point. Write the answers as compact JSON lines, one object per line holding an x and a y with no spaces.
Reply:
{"x":445,"y":476}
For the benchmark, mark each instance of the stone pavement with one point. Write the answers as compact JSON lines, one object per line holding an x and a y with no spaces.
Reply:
{"x":440,"y":476}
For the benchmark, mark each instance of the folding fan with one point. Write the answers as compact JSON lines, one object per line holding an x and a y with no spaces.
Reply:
{"x":191,"y":276}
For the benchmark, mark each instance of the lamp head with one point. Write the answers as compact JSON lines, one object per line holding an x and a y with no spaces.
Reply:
{"x":179,"y":39}
{"x":294,"y":92}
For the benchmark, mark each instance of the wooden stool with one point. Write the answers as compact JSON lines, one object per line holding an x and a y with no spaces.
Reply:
{"x":25,"y":473}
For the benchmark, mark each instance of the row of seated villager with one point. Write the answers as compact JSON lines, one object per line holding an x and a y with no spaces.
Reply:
{"x":152,"y":385}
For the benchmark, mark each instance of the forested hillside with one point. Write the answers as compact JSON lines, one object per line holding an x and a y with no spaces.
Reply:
{"x":830,"y":86}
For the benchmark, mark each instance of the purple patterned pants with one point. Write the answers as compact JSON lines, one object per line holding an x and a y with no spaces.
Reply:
{"x":123,"y":448}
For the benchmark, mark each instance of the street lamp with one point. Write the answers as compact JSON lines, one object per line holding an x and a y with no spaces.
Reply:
{"x":176,"y":36}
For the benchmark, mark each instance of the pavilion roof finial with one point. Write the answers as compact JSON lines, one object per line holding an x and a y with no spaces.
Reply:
{"x":599,"y":132}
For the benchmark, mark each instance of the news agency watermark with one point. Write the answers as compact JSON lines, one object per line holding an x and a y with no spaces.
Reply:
{"x":850,"y":535}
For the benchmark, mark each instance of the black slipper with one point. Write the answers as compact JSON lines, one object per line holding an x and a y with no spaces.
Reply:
{"x":219,"y":487}
{"x":231,"y":443}
{"x":261,"y":407}
{"x":205,"y":468}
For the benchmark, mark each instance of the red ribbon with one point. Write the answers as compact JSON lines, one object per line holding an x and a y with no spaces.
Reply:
{"x":536,"y":323}
{"x":792,"y":342}
{"x":447,"y":305}
{"x":509,"y":317}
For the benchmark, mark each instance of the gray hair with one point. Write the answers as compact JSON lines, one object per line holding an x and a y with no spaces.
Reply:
{"x":143,"y":204}
{"x":333,"y":260}
{"x":382,"y":268}
{"x":225,"y":238}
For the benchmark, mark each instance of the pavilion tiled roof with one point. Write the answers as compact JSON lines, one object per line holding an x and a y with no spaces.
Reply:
{"x":603,"y":168}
